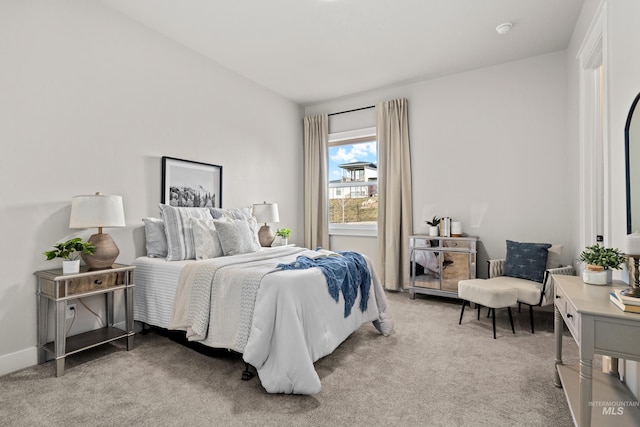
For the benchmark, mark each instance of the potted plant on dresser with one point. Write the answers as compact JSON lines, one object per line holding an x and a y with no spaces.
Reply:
{"x":433,"y":226}
{"x":70,"y":251}
{"x":600,"y":263}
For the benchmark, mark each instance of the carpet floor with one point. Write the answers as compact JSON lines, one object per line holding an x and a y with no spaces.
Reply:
{"x":431,"y":372}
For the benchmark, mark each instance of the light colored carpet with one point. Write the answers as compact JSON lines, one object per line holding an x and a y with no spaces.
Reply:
{"x":432,"y":372}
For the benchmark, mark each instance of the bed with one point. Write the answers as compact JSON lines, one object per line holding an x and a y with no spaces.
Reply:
{"x":281,"y":317}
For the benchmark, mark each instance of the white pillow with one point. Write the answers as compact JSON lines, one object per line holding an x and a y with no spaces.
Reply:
{"x":237,"y":236}
{"x":554,"y":255}
{"x":155,"y":237}
{"x":180,"y":245}
{"x":205,"y":238}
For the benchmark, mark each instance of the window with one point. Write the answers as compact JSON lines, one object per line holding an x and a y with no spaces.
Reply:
{"x":353,"y":182}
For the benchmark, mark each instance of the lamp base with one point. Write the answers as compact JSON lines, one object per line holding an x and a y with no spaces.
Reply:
{"x":105,"y":254}
{"x":265,"y":236}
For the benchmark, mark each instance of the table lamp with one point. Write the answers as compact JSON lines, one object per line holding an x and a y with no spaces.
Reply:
{"x":98,"y":211}
{"x":264,"y":213}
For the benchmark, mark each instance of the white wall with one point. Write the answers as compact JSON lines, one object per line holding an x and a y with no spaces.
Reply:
{"x":624,"y":84}
{"x":488,"y":148}
{"x":622,"y":74}
{"x":90,"y":102}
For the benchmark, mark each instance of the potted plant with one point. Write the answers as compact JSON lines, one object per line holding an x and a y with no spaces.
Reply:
{"x":600,"y":262}
{"x":284,"y":233}
{"x":70,"y":251}
{"x":433,"y":226}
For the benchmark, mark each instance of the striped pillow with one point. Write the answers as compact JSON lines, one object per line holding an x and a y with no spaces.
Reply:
{"x":177,"y":227}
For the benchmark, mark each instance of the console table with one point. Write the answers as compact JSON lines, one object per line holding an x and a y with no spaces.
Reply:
{"x":56,"y":288}
{"x":598,"y":327}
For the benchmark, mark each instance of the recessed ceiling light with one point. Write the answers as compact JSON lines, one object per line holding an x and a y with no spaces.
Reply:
{"x":504,"y":28}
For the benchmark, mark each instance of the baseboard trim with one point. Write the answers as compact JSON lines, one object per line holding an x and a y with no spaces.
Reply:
{"x":19,"y":360}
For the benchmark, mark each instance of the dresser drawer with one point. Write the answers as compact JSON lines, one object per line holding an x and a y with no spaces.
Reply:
{"x":83,"y":284}
{"x":457,"y":244}
{"x":569,"y":314}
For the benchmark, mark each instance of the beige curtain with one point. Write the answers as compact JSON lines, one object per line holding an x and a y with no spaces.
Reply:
{"x":395,"y":209}
{"x":316,"y":211}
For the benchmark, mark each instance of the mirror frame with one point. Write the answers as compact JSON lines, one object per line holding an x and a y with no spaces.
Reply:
{"x":627,"y":164}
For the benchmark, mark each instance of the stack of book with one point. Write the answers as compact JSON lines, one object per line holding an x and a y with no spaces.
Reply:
{"x":624,"y":303}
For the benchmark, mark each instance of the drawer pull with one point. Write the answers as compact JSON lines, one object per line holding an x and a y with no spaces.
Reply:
{"x":97,"y":282}
{"x":558,"y":297}
{"x":569,"y":316}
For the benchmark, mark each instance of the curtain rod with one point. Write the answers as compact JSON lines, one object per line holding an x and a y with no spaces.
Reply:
{"x":351,"y":111}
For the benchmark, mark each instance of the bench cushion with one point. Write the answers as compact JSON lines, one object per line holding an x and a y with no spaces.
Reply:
{"x":488,"y":293}
{"x":528,"y":291}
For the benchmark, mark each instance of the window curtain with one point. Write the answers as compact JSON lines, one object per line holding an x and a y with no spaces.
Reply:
{"x":316,"y":212}
{"x":395,"y":223}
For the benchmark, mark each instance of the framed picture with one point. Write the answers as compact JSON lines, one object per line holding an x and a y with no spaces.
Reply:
{"x":191,"y":184}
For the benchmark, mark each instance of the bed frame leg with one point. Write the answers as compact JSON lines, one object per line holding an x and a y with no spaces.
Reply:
{"x":246,"y":374}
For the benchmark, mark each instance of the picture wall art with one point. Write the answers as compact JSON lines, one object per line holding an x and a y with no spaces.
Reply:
{"x":187,"y":183}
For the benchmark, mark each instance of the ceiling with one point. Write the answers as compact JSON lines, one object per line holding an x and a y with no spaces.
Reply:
{"x":310,"y":51}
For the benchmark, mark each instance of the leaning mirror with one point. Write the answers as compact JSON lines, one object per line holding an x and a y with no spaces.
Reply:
{"x":632,"y":156}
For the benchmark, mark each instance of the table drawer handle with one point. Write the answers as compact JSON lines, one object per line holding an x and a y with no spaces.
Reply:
{"x":97,"y":282}
{"x":558,"y":297}
{"x":569,"y":316}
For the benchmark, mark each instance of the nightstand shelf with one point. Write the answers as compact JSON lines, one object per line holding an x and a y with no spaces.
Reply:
{"x":86,"y":340}
{"x":55,"y":289}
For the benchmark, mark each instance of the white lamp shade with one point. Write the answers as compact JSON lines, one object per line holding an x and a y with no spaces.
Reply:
{"x":266,"y":212}
{"x":96,"y":211}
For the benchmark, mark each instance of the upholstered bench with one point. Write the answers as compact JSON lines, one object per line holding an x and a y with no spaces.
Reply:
{"x":489,"y":294}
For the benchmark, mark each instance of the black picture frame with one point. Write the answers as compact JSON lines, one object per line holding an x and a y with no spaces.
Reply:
{"x":189,"y":183}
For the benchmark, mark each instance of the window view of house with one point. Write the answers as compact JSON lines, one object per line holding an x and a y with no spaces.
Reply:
{"x":353,"y":183}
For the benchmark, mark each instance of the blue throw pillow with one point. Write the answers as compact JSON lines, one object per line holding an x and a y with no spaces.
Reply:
{"x":526,"y":260}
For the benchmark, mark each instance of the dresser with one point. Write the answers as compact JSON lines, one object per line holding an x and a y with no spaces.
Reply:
{"x":598,"y":327}
{"x":438,"y":263}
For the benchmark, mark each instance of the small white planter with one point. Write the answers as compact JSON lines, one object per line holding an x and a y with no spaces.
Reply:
{"x":71,"y":267}
{"x":600,"y":278}
{"x":433,"y":230}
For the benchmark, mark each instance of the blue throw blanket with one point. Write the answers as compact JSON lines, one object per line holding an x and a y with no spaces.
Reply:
{"x":345,"y":273}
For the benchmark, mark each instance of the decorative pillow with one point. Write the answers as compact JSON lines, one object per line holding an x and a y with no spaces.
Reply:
{"x":205,"y":238}
{"x":180,"y":245}
{"x":233,"y":213}
{"x":526,"y":260}
{"x":555,"y":253}
{"x":155,"y":238}
{"x":237,"y":236}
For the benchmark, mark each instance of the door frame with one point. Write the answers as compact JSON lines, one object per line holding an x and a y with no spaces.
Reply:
{"x":594,"y":135}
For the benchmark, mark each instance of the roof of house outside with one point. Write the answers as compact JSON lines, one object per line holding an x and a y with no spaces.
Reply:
{"x":358,"y":165}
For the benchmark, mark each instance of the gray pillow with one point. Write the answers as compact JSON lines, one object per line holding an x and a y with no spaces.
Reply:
{"x":205,"y":238}
{"x":232,"y":213}
{"x":237,"y":236}
{"x":155,"y":238}
{"x":180,"y":245}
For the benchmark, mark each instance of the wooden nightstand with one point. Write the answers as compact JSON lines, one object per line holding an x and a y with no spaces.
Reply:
{"x":55,"y":289}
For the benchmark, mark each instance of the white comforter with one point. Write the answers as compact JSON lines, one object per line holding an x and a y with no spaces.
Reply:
{"x":295,"y":321}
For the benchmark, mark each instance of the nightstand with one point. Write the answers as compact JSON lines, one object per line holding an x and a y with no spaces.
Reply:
{"x":55,"y":289}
